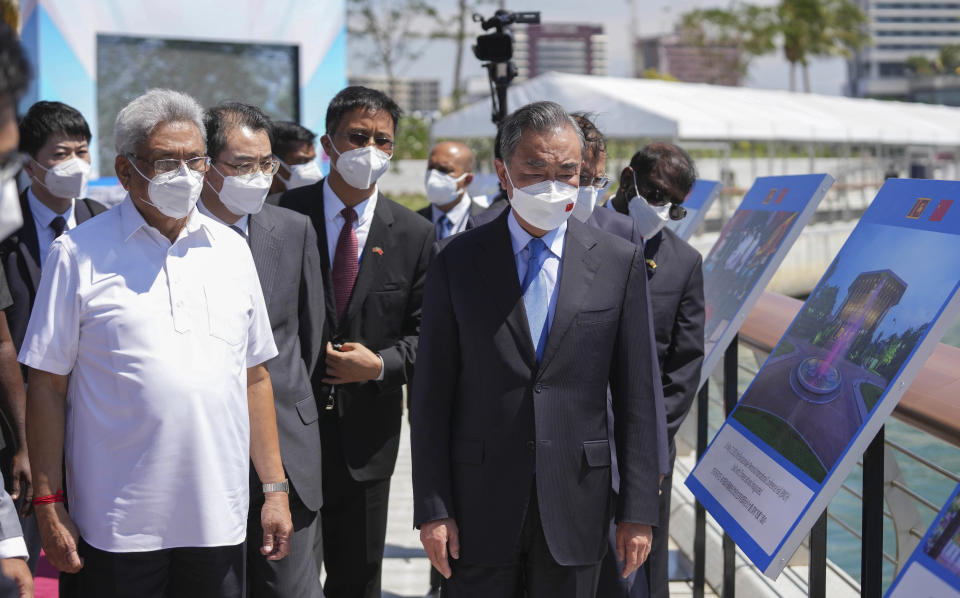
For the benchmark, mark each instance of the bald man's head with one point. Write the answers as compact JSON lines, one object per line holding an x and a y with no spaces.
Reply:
{"x":452,"y":154}
{"x":454,"y":160}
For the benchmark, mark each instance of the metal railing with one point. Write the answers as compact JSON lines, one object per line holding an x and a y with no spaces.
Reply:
{"x":906,"y":508}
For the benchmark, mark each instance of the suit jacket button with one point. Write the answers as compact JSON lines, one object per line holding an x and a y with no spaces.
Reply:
{"x":538,"y":387}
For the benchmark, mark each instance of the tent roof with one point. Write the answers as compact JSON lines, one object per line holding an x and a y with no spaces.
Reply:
{"x":637,"y":108}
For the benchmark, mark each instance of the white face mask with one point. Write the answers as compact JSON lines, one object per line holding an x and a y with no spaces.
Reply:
{"x":546,"y":205}
{"x":67,"y":179}
{"x":360,"y":167}
{"x":441,"y":187}
{"x":11,"y":217}
{"x":243,"y":194}
{"x":649,"y":219}
{"x":587,"y":198}
{"x":174,"y":193}
{"x":302,"y":175}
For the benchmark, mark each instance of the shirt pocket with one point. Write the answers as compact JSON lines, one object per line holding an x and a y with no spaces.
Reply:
{"x":227,"y":314}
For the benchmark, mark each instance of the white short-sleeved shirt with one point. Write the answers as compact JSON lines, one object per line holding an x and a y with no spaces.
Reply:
{"x":157,"y":339}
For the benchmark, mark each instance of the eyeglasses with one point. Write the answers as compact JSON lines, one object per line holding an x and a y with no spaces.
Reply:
{"x":600,"y":182}
{"x":363,"y":140}
{"x":656,"y":196}
{"x":198,"y":164}
{"x":269,"y":167}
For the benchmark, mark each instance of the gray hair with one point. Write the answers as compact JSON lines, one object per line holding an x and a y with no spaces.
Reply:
{"x":540,"y":117}
{"x":141,"y":116}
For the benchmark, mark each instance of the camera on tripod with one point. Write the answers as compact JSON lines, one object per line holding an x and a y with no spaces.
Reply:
{"x":496,"y":50}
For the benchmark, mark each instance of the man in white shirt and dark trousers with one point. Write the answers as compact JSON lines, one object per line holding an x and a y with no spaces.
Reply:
{"x":284,"y":248}
{"x":151,"y":325}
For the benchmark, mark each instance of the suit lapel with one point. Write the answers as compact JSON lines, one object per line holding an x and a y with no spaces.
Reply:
{"x":318,"y":215}
{"x":577,"y":270}
{"x":29,"y":244}
{"x":81,"y":212}
{"x":266,"y":248}
{"x":498,"y":266}
{"x":378,"y":244}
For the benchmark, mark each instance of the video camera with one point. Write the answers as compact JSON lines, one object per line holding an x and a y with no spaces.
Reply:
{"x":496,"y":50}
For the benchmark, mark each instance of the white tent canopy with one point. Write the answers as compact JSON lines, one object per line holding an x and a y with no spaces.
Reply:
{"x":638,"y":108}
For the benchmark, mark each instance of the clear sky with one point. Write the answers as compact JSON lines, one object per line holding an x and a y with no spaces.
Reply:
{"x":653,"y":17}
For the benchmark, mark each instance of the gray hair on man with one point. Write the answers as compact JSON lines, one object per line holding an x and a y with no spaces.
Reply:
{"x":138,"y":119}
{"x":537,"y":116}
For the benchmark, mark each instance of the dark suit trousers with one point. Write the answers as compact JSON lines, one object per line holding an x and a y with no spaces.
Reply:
{"x":533,"y":574}
{"x":297,"y":573}
{"x":353,"y":521}
{"x":172,"y":573}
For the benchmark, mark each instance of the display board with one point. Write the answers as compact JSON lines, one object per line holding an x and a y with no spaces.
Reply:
{"x":934,"y":566}
{"x":837,"y":373}
{"x":697,"y":204}
{"x":749,"y":250}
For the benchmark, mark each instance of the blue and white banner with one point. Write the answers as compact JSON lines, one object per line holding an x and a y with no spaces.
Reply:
{"x":934,"y":566}
{"x":751,"y":247}
{"x":837,"y":373}
{"x":697,"y":204}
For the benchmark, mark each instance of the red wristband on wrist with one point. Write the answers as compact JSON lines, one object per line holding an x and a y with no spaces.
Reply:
{"x":48,"y":499}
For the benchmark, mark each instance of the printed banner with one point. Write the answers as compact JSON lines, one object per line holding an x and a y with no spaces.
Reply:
{"x":837,"y":373}
{"x":697,"y":204}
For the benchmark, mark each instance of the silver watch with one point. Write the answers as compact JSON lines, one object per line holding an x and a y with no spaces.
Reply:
{"x":283,"y":486}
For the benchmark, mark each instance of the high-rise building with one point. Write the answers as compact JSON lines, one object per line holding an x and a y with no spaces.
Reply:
{"x":413,"y":95}
{"x":562,"y":47}
{"x":669,"y":55}
{"x":900,"y":29}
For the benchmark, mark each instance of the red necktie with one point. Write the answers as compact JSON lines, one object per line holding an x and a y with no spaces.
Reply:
{"x":345,"y":264}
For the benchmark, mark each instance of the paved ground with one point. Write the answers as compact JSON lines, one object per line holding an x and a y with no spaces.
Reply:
{"x":406,"y":568}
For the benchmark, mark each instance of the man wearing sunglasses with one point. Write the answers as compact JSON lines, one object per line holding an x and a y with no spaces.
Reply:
{"x":284,"y":248}
{"x":374,"y":254}
{"x":652,"y":189}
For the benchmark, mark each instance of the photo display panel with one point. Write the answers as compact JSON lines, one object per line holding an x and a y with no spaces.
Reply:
{"x":838,"y":372}
{"x":934,"y":566}
{"x":697,"y":204}
{"x":749,"y":250}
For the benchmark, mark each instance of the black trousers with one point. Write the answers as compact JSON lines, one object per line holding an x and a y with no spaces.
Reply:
{"x":170,"y":573}
{"x":297,"y":573}
{"x":533,"y":573}
{"x":353,"y":522}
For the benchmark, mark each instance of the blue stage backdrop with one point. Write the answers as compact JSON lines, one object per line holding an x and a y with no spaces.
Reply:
{"x":286,"y":56}
{"x":837,"y":373}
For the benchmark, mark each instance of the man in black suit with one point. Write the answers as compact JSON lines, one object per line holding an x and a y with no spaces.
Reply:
{"x":449,"y":173}
{"x":55,"y":137}
{"x":284,"y":248}
{"x":296,"y":148}
{"x":527,"y":320}
{"x":652,"y":188}
{"x":374,"y":255}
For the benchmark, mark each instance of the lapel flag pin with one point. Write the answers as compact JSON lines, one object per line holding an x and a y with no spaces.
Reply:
{"x":377,"y":251}
{"x":652,"y":264}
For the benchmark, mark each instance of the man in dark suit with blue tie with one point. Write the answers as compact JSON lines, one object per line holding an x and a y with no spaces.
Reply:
{"x":284,"y":248}
{"x":527,"y":320}
{"x":652,"y":189}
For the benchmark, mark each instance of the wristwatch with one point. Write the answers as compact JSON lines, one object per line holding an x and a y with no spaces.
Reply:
{"x":283,"y":486}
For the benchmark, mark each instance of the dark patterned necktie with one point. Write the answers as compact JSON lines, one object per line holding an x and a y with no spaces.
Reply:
{"x":345,"y":264}
{"x":58,"y":224}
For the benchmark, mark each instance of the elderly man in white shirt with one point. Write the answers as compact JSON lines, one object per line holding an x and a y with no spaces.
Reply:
{"x":146,"y":350}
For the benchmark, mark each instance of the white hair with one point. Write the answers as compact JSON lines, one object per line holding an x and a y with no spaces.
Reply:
{"x":141,"y":116}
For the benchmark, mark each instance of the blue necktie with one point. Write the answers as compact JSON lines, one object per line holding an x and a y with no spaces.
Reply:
{"x":536,"y":296}
{"x":443,"y":228}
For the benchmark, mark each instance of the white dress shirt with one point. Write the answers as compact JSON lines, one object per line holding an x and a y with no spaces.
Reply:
{"x":458,"y":215}
{"x":332,"y":205}
{"x":554,"y":241}
{"x":42,"y":217}
{"x":243,"y":224}
{"x":157,"y":339}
